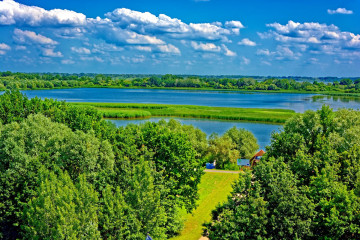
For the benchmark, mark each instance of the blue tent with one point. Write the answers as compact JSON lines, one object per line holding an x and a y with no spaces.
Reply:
{"x":210,"y":166}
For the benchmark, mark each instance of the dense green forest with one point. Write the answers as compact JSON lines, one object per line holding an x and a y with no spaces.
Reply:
{"x":68,"y":174}
{"x":307,"y":186}
{"x":9,"y":80}
{"x":65,"y":173}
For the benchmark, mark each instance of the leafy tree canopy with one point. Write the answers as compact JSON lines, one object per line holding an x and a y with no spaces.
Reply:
{"x":306,"y":186}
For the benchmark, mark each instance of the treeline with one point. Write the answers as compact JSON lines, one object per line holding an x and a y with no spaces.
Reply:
{"x":307,"y":186}
{"x":65,"y":173}
{"x":23,"y":81}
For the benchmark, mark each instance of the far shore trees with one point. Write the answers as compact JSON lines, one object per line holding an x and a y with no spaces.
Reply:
{"x":24,"y":81}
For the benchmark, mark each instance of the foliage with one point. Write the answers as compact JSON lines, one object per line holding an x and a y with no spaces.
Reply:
{"x":235,"y":143}
{"x":14,"y":106}
{"x":136,"y":178}
{"x":196,"y":137}
{"x":222,"y":150}
{"x":37,"y":143}
{"x":305,"y":187}
{"x":245,"y":141}
{"x":62,"y":209}
{"x":172,"y":153}
{"x":9,"y":80}
{"x":117,"y":220}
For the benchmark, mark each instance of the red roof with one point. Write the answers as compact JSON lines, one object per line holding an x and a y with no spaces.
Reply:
{"x":260,"y":153}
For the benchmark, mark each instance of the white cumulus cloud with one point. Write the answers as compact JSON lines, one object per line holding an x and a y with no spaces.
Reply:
{"x":13,"y":13}
{"x":143,"y":48}
{"x":80,"y":50}
{"x":245,"y":61}
{"x":169,"y":48}
{"x":29,"y":37}
{"x":205,"y":47}
{"x":234,"y":24}
{"x":247,"y":42}
{"x":49,"y":52}
{"x":265,"y":52}
{"x":148,"y":23}
{"x":316,"y":37}
{"x":4,"y":46}
{"x":120,"y":30}
{"x":340,"y":11}
{"x":20,"y":47}
{"x":118,"y":36}
{"x":67,"y":61}
{"x":228,"y":52}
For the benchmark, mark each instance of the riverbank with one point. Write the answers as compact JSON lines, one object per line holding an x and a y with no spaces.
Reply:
{"x":137,"y":110}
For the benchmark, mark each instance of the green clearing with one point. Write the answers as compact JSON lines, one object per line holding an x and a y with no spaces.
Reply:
{"x":213,"y":189}
{"x":135,"y":110}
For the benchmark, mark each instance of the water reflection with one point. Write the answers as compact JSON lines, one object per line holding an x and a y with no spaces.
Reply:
{"x":326,"y":99}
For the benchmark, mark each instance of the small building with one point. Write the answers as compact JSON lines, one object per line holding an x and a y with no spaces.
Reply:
{"x":256,"y":158}
{"x":243,"y":162}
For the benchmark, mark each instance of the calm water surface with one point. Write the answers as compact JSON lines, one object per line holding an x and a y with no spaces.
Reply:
{"x":297,"y":102}
{"x":260,"y":130}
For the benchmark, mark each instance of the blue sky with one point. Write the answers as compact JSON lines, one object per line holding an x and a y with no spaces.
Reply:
{"x":258,"y":37}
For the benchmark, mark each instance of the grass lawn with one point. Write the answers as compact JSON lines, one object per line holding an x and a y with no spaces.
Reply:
{"x":213,"y":189}
{"x":134,"y":110}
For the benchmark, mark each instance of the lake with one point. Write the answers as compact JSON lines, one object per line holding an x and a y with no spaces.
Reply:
{"x":297,"y":102}
{"x":293,"y":101}
{"x":260,"y":130}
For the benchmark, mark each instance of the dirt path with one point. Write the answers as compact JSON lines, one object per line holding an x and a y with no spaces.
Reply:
{"x":221,"y":171}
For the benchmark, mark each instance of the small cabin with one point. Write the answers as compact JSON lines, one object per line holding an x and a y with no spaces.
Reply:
{"x":256,"y":158}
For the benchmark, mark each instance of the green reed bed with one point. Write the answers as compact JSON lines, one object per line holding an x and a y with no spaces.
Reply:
{"x":134,"y":110}
{"x":124,"y":113}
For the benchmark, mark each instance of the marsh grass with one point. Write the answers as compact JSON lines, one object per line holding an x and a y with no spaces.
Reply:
{"x":135,"y":110}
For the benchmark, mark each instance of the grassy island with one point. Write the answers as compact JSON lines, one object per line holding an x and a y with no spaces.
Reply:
{"x":138,"y":110}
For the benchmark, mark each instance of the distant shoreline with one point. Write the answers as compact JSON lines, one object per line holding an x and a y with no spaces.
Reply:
{"x":329,"y":93}
{"x":28,"y":81}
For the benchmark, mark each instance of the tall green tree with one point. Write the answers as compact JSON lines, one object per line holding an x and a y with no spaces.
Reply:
{"x":37,"y":142}
{"x":222,"y":150}
{"x":245,"y":141}
{"x":117,"y":219}
{"x":172,"y":154}
{"x":62,"y":209}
